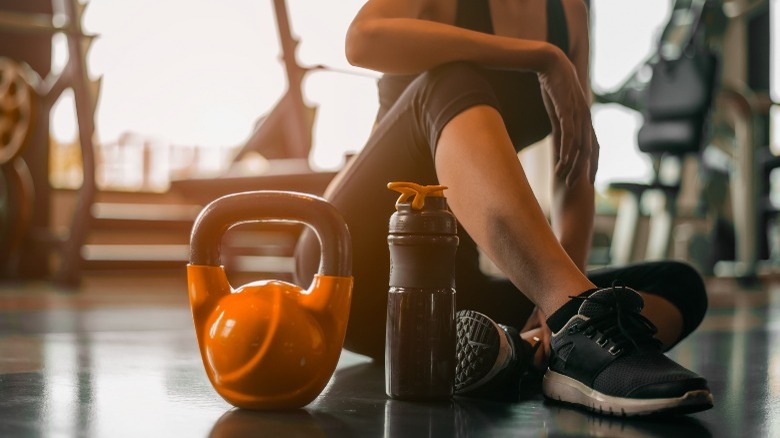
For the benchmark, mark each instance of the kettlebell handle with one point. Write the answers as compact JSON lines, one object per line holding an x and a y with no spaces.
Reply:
{"x":273,"y":206}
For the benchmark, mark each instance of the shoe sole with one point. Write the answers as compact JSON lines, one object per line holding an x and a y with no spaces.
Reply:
{"x":482,"y":350}
{"x":560,"y":388}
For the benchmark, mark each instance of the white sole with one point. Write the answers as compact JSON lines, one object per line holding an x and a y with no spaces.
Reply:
{"x":558,"y":387}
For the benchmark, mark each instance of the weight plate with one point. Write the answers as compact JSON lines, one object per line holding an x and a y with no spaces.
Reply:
{"x":17,"y":109}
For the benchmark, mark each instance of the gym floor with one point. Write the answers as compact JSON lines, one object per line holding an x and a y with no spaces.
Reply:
{"x":119,"y":357}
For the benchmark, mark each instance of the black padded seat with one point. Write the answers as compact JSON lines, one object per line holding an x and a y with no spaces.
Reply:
{"x":673,"y":136}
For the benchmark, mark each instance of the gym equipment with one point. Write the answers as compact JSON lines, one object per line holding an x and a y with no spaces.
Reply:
{"x":86,"y":91}
{"x":676,"y":105}
{"x":18,"y":103}
{"x":17,"y":109}
{"x":736,"y":115}
{"x":270,"y":344}
{"x":285,"y":132}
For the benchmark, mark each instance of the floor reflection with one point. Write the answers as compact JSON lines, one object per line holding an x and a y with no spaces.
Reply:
{"x":357,"y":416}
{"x":72,"y":365}
{"x":296,"y":423}
{"x":570,"y":422}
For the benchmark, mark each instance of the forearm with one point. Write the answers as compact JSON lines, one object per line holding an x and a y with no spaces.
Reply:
{"x":408,"y":46}
{"x":572,"y":219}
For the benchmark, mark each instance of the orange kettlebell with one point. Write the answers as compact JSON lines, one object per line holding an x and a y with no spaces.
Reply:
{"x":270,"y":344}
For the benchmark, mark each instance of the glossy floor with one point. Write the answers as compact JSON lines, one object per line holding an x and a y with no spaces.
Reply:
{"x":119,"y":358}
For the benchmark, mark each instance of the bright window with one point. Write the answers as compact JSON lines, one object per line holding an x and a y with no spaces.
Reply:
{"x":624,"y":34}
{"x":200,"y":73}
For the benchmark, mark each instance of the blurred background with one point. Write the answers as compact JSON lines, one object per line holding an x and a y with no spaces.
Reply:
{"x":193,"y":75}
{"x":141,"y":112}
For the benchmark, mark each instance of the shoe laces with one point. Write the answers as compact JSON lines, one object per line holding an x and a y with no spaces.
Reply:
{"x":618,"y":323}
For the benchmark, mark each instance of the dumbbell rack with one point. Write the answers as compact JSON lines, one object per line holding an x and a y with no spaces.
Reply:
{"x":86,"y":91}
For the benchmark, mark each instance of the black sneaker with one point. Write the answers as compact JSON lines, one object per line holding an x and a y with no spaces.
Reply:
{"x":491,"y":358}
{"x":606,"y":360}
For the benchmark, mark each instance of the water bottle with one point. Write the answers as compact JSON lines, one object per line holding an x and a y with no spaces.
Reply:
{"x":420,"y":336}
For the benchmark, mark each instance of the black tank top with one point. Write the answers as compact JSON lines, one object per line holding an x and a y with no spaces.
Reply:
{"x":518,"y":92}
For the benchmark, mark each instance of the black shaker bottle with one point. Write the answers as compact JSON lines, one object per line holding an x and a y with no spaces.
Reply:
{"x":420,"y":344}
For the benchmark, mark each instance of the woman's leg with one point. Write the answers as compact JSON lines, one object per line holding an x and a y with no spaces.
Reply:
{"x":504,"y":218}
{"x":400,"y":149}
{"x":490,"y":195}
{"x":602,"y":355}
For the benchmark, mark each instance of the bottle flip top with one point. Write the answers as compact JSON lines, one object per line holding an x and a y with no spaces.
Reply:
{"x":421,"y":210}
{"x":422,"y":237}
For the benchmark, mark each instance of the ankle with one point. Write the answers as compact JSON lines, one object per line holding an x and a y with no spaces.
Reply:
{"x":557,"y":319}
{"x":559,"y":294}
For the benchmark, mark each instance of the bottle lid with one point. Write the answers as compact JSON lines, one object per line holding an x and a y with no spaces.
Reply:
{"x":421,"y":210}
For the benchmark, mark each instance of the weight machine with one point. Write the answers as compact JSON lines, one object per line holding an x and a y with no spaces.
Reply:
{"x":25,"y":94}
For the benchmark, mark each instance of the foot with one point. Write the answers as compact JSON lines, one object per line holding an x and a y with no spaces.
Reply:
{"x":606,"y":359}
{"x":491,"y":358}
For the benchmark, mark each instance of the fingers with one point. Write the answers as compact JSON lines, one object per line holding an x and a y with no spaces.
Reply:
{"x":532,"y":322}
{"x":573,"y":147}
{"x":594,"y":159}
{"x":563,"y":166}
{"x":577,"y":169}
{"x":575,"y":163}
{"x":581,"y":161}
{"x":540,"y":335}
{"x":568,"y":145}
{"x":576,"y":146}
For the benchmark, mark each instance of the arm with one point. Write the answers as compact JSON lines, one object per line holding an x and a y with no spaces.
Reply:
{"x":389,"y":36}
{"x":572,"y":218}
{"x":573,"y":206}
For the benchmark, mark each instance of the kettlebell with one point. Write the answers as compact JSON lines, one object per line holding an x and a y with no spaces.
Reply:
{"x":270,"y":344}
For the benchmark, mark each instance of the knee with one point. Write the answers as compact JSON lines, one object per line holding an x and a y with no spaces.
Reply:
{"x":452,"y":80}
{"x":693,"y":283}
{"x":444,"y":92}
{"x":457,"y":71}
{"x":690,"y":294}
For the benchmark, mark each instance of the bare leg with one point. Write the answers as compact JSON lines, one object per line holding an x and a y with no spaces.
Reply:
{"x":666,"y":317}
{"x":491,"y":197}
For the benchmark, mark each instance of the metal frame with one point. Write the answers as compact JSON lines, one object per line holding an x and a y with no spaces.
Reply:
{"x":86,"y":91}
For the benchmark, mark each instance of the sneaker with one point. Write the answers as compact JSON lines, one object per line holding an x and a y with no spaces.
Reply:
{"x":491,"y":358}
{"x":606,"y":359}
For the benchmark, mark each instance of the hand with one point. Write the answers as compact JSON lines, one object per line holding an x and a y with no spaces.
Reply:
{"x":536,"y":327}
{"x":577,"y":149}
